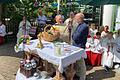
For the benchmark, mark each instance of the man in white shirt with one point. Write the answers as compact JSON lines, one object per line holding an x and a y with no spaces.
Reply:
{"x":2,"y":32}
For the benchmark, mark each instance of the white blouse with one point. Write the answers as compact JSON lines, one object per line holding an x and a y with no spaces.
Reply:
{"x":2,"y":30}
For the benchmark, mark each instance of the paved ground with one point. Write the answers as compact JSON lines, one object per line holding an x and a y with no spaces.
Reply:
{"x":9,"y":63}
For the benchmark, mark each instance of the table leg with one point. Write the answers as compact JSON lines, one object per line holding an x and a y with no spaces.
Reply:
{"x":58,"y":75}
{"x":48,"y":67}
{"x":70,"y":72}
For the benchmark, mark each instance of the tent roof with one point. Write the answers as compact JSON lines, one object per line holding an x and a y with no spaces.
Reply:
{"x":98,"y":2}
{"x":7,"y":1}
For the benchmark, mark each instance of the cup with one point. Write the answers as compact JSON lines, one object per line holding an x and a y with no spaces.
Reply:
{"x":58,"y":49}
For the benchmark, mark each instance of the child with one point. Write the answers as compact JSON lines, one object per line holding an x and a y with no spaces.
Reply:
{"x":97,"y":43}
{"x":92,"y":30}
{"x":96,"y":50}
{"x":107,"y":57}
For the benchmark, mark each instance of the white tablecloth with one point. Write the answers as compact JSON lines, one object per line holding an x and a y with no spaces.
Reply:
{"x":48,"y":53}
{"x":20,"y":76}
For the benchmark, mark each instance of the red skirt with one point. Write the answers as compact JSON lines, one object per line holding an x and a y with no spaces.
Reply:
{"x":1,"y":40}
{"x":95,"y":59}
{"x":88,"y":60}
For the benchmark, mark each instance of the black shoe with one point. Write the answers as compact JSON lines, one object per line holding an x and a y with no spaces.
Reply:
{"x":76,"y":77}
{"x":107,"y":69}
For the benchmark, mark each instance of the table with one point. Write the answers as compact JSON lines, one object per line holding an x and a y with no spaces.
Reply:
{"x":48,"y":54}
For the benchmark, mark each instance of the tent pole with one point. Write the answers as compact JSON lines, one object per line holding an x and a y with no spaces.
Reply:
{"x":107,"y":15}
{"x":58,"y":7}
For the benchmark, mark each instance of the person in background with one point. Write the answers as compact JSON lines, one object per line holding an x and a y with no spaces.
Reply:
{"x":79,"y":37}
{"x":115,"y":34}
{"x":59,"y":20}
{"x":70,"y":25}
{"x":101,"y":29}
{"x":107,"y":57}
{"x":97,"y":43}
{"x":94,"y":51}
{"x":116,"y":58}
{"x":71,"y":16}
{"x":2,"y":32}
{"x":24,"y":28}
{"x":59,"y":12}
{"x":92,"y":30}
{"x":41,"y":19}
{"x":104,"y":33}
{"x":60,"y":26}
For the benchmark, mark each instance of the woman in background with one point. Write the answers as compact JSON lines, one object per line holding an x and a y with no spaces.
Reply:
{"x":2,"y":32}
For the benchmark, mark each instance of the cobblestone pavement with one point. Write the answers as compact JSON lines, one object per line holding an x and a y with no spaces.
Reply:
{"x":9,"y":64}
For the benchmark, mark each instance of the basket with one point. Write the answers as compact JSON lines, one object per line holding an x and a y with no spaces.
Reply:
{"x":30,"y":56}
{"x":51,"y":34}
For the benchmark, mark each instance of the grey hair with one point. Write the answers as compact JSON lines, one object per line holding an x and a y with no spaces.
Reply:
{"x":59,"y":16}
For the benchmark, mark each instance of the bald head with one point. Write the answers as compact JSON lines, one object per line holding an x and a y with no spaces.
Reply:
{"x":59,"y":19}
{"x":79,"y":17}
